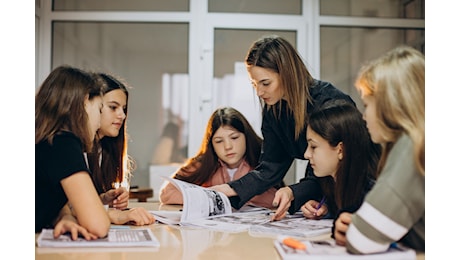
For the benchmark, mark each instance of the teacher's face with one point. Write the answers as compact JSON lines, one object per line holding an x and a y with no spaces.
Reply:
{"x":267,"y":84}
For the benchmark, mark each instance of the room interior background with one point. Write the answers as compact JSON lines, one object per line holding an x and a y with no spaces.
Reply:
{"x":184,"y":58}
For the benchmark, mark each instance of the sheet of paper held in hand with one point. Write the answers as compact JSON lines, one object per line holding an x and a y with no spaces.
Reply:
{"x":210,"y":209}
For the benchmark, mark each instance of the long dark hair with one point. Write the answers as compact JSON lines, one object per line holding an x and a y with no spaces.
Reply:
{"x":59,"y":104}
{"x":109,"y":153}
{"x":338,"y":121}
{"x":204,"y":164}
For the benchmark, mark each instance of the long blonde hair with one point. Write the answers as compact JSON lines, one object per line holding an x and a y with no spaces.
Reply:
{"x":397,"y":82}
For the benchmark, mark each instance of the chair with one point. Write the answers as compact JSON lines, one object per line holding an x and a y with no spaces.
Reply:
{"x":141,"y":194}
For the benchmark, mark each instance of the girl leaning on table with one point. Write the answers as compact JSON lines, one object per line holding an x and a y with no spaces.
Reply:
{"x":67,"y":114}
{"x":109,"y":161}
{"x":393,"y":92}
{"x":229,"y":150}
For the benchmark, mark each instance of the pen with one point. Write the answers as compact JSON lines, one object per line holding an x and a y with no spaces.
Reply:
{"x":395,"y":246}
{"x":294,"y":243}
{"x":271,"y":214}
{"x":321,"y":203}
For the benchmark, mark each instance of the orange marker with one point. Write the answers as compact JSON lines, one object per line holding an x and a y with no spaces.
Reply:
{"x":294,"y":243}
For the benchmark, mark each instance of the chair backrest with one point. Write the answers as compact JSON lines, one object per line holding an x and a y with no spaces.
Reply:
{"x":157,"y":170}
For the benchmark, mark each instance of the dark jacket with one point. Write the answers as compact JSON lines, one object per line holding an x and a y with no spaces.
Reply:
{"x":280,"y":148}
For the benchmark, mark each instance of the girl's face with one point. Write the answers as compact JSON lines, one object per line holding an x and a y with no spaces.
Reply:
{"x":229,"y":145}
{"x":93,"y":109}
{"x":323,"y":158}
{"x":113,"y":113}
{"x":267,"y":84}
{"x":370,"y":116}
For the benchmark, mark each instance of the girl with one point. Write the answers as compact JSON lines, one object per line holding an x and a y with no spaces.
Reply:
{"x":109,"y":160}
{"x":229,"y":150}
{"x":67,"y":116}
{"x":342,"y":155}
{"x":393,"y":92}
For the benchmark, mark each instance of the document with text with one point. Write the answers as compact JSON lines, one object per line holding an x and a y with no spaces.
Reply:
{"x":327,"y":249}
{"x":295,"y":225}
{"x":207,"y":208}
{"x":142,"y":237}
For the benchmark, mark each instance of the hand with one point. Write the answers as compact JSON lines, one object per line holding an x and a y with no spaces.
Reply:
{"x":225,"y":189}
{"x":135,"y":216}
{"x":116,"y":198}
{"x":68,"y":223}
{"x":282,"y":200}
{"x":341,"y":227}
{"x":309,"y":210}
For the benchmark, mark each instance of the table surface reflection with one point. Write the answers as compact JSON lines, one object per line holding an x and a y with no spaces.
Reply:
{"x":178,"y":243}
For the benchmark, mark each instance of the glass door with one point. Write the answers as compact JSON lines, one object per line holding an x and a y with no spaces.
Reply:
{"x":153,"y":59}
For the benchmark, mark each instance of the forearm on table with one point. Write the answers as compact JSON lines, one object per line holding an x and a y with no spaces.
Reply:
{"x":118,"y":217}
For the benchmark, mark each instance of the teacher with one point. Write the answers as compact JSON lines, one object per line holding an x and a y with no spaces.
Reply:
{"x":288,"y":93}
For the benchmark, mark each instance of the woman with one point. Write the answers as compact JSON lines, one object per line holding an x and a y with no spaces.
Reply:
{"x":67,"y":116}
{"x":288,"y":94}
{"x":393,"y":92}
{"x":109,"y":161}
{"x":229,"y":150}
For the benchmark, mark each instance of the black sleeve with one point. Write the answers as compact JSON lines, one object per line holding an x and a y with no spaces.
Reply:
{"x":308,"y":188}
{"x":66,"y":157}
{"x":274,"y":162}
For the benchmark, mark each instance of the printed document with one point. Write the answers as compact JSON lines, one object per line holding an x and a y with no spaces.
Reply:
{"x":295,"y":225}
{"x":139,"y":237}
{"x":207,"y":208}
{"x":327,"y":249}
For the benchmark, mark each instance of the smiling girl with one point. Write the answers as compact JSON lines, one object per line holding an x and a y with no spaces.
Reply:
{"x":109,"y":160}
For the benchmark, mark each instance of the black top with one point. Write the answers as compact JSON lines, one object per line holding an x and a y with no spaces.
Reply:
{"x":52,"y":164}
{"x":280,"y":148}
